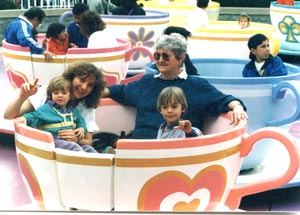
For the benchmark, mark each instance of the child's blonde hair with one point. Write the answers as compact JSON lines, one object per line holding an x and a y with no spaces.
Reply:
{"x":244,"y":15}
{"x":170,"y":94}
{"x":58,"y":83}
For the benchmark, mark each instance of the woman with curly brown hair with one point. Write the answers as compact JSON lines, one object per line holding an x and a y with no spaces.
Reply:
{"x":87,"y":87}
{"x":94,"y":28}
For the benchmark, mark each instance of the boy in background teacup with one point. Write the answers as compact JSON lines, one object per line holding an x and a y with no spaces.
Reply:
{"x":263,"y":63}
{"x":171,"y":103}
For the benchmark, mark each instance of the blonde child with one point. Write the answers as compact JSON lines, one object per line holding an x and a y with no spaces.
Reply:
{"x":172,"y":104}
{"x":244,"y":20}
{"x":58,"y":114}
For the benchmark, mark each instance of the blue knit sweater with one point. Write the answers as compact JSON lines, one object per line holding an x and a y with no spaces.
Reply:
{"x":203,"y":100}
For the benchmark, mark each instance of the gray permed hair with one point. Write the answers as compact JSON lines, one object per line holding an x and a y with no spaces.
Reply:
{"x":174,"y":42}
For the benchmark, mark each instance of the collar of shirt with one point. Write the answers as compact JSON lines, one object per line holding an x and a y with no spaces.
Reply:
{"x":26,"y":20}
{"x":170,"y":127}
{"x":181,"y":75}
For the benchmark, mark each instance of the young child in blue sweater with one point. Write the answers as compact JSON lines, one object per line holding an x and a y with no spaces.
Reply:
{"x":262,"y":63}
{"x":58,"y":113}
{"x":172,"y":104}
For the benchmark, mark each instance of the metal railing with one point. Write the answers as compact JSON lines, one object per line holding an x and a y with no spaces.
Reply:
{"x":25,"y":4}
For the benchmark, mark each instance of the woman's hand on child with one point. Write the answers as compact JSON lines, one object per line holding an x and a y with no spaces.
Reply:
{"x":68,"y":134}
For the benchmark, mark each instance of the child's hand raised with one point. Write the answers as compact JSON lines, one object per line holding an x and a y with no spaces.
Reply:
{"x":184,"y":125}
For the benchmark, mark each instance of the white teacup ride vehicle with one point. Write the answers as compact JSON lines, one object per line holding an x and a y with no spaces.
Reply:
{"x":225,"y":39}
{"x":147,"y":175}
{"x":140,"y":30}
{"x":179,"y":9}
{"x":270,"y":101}
{"x":285,"y":16}
{"x":21,"y":66}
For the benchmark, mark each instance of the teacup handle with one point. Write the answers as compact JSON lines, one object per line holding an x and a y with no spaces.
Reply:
{"x":248,"y":142}
{"x":278,"y":92}
{"x":139,"y":48}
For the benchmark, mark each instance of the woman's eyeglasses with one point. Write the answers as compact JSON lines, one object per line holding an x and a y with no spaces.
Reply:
{"x":165,"y":56}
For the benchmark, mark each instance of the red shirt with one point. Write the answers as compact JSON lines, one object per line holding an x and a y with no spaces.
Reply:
{"x":57,"y":47}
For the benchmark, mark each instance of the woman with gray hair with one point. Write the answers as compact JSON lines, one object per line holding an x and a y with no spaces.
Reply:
{"x":203,"y":99}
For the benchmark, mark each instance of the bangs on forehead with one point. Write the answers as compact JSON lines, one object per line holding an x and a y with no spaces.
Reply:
{"x":170,"y":99}
{"x":86,"y":74}
{"x":88,"y":77}
{"x":61,"y":87}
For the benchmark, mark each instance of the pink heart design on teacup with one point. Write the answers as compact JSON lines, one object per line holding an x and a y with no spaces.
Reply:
{"x":174,"y":190}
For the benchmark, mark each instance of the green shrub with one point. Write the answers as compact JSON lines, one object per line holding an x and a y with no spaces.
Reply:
{"x":8,"y":4}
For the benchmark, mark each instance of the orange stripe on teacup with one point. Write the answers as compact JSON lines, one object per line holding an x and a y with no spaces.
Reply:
{"x":288,"y":12}
{"x":16,"y":56}
{"x":177,"y":161}
{"x":41,"y":59}
{"x":32,"y":181}
{"x":219,"y":38}
{"x":35,"y":151}
{"x":88,"y":161}
{"x":137,"y":23}
{"x":97,"y":59}
{"x":123,"y":45}
{"x":29,"y":132}
{"x":134,"y":144}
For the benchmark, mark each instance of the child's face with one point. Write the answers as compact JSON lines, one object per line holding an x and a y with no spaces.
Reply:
{"x":171,"y":112}
{"x":262,"y":51}
{"x":244,"y":22}
{"x":62,"y":35}
{"x":61,"y":97}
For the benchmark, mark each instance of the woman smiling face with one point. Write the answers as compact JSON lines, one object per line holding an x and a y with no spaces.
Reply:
{"x":167,"y":63}
{"x":83,"y":86}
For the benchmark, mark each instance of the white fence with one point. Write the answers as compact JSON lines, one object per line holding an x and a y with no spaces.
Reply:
{"x":25,"y":4}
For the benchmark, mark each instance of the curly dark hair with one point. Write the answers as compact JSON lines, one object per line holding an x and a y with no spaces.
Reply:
{"x":91,"y":22}
{"x":84,"y":69}
{"x":54,"y":29}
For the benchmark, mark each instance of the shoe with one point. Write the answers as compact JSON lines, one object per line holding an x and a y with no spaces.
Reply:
{"x":109,"y":150}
